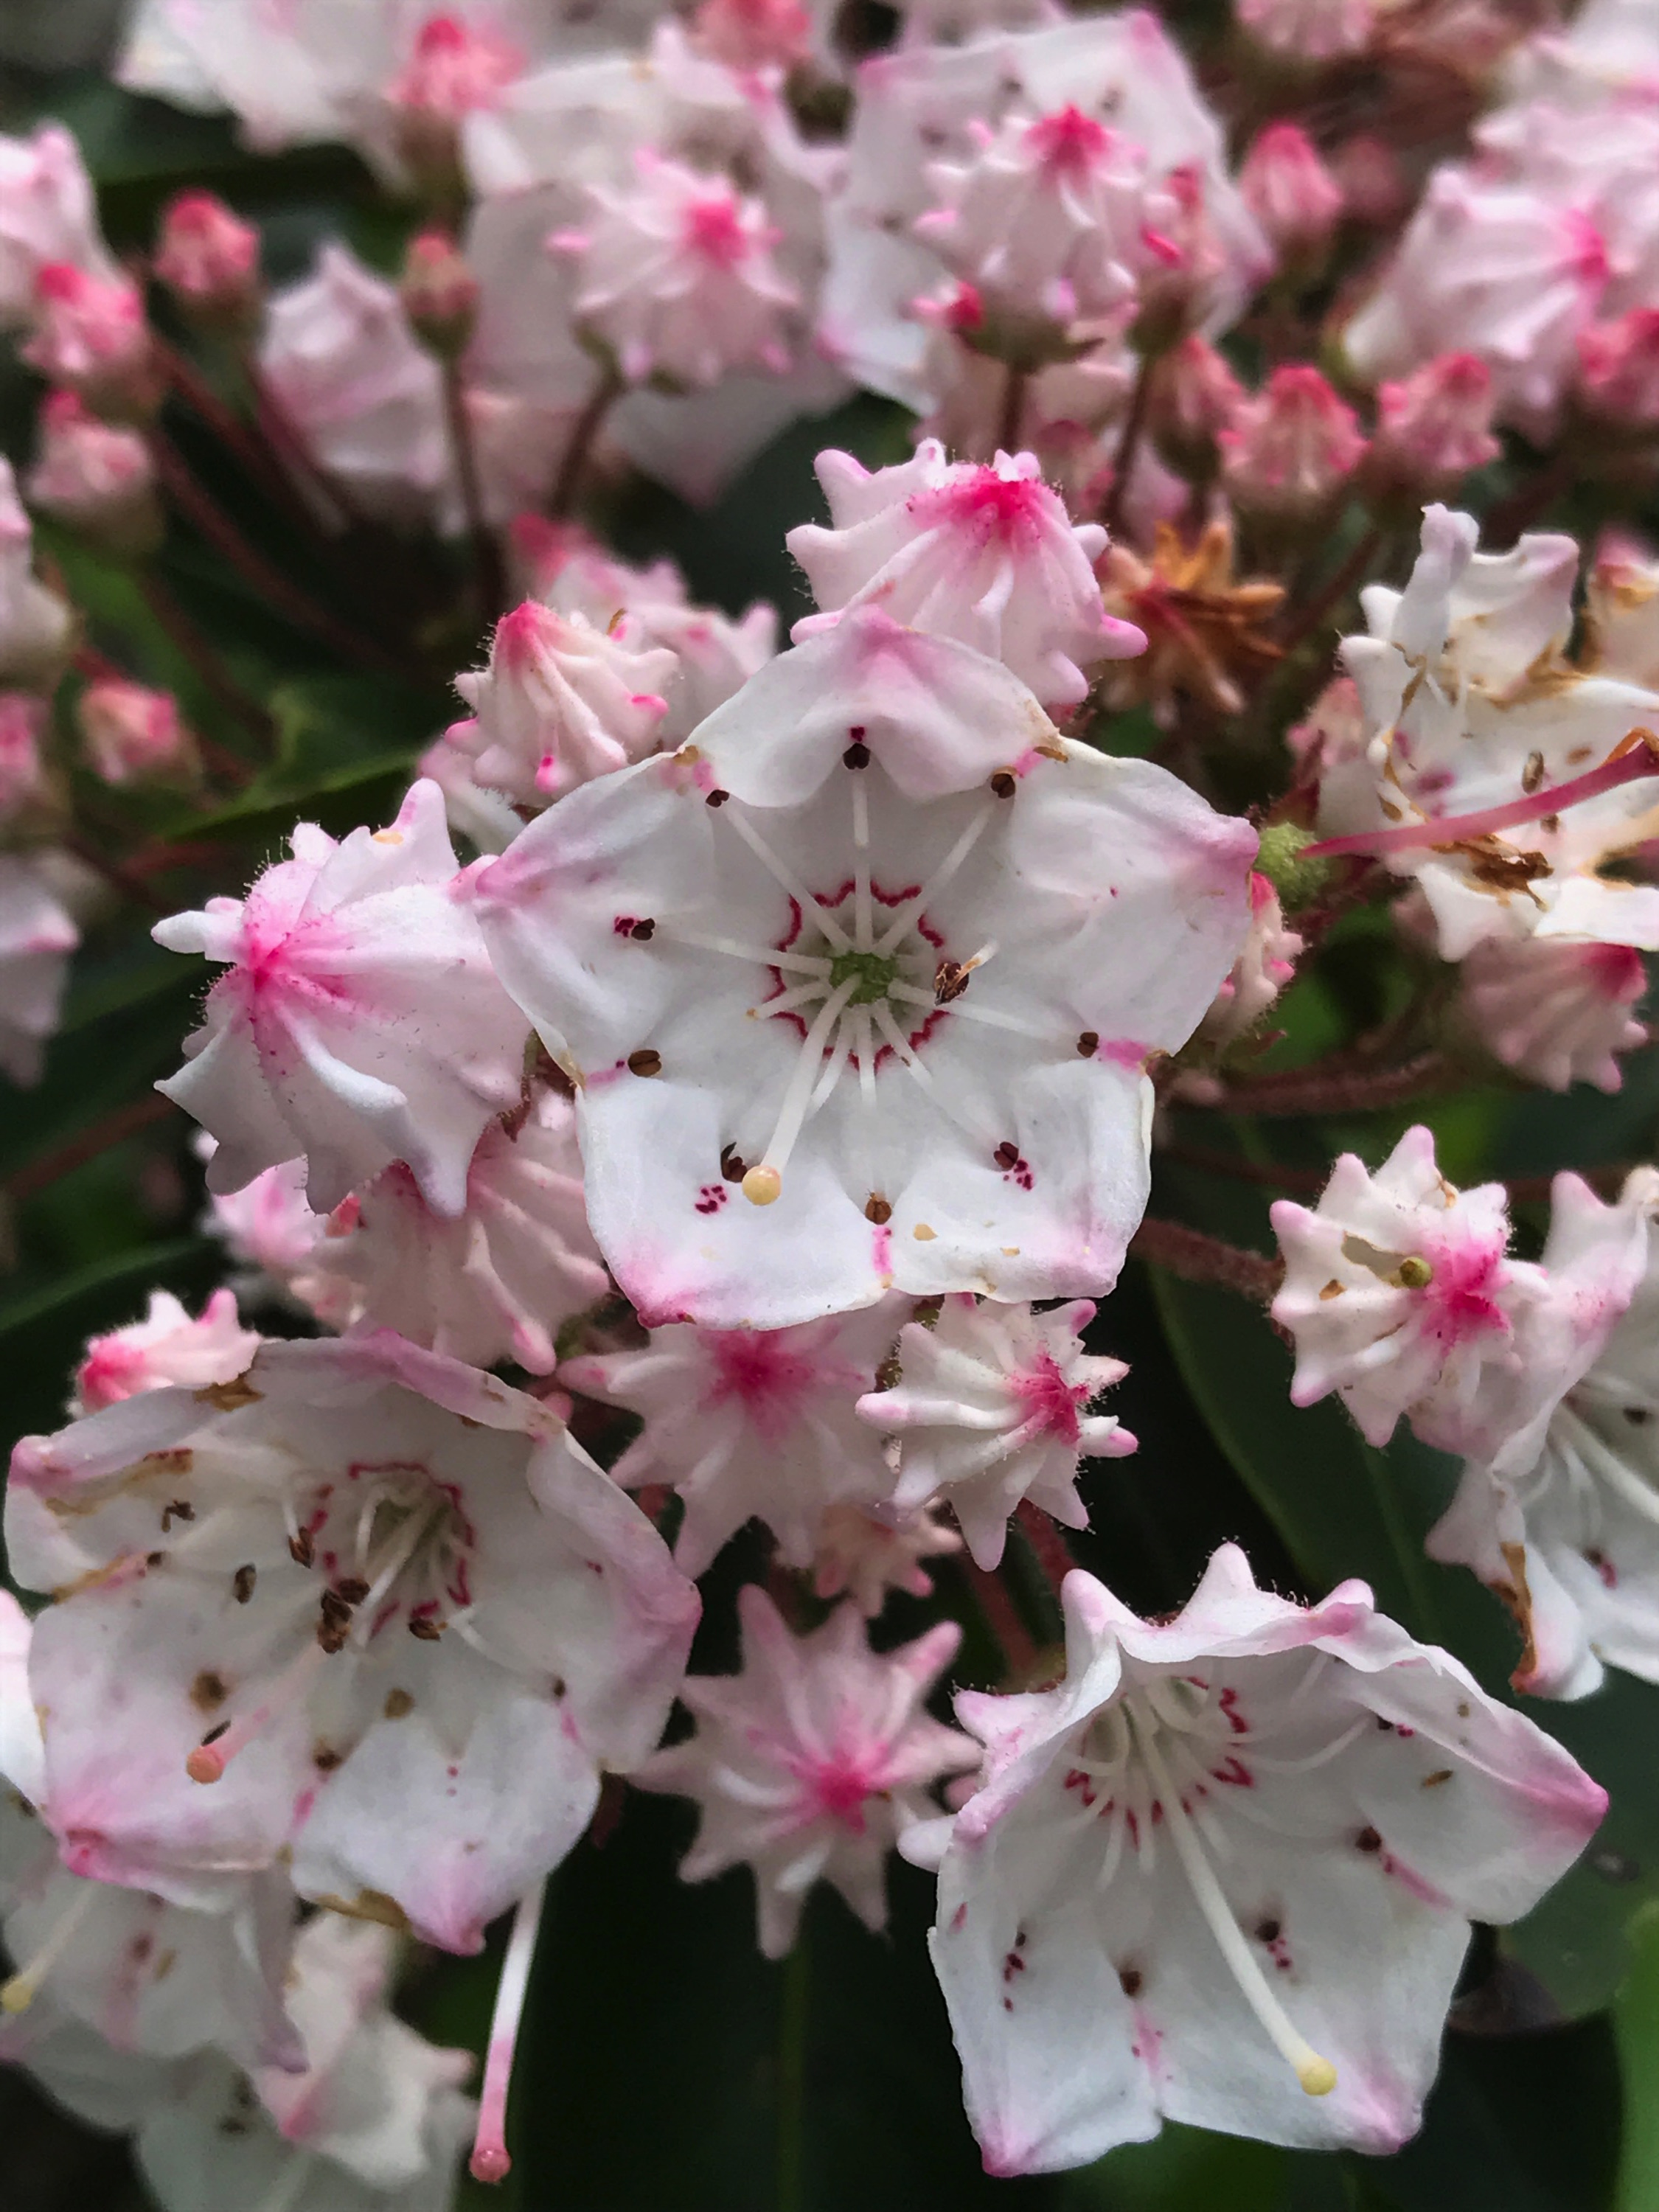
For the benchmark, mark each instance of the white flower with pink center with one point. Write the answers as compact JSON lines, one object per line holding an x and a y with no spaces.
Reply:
{"x":994,"y":1404}
{"x":1500,"y":269}
{"x":372,"y":2121}
{"x":987,"y":555}
{"x":356,"y":382}
{"x":148,"y":1975}
{"x":166,"y":1347}
{"x":363,"y":1606}
{"x":915,"y":1059}
{"x":752,"y":1422}
{"x":715,"y":654}
{"x":676,"y":277}
{"x":1558,"y":1013}
{"x":1290,"y":451}
{"x":1169,"y":1896}
{"x":37,"y":936}
{"x":35,"y":622}
{"x":494,"y":1283}
{"x":1473,"y":719}
{"x":48,"y":214}
{"x":1260,"y":972}
{"x":562,"y":702}
{"x":1571,"y":1541}
{"x":811,"y":1763}
{"x":867,"y":1554}
{"x":359,"y":1023}
{"x":1402,"y":1297}
{"x":1051,"y":219}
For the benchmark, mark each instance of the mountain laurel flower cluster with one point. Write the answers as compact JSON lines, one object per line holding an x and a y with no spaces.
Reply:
{"x":769,"y":774}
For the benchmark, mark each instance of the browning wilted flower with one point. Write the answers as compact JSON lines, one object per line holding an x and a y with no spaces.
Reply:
{"x":1206,"y":632}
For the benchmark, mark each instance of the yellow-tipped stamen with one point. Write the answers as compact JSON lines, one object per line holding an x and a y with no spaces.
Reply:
{"x":1315,"y":2072}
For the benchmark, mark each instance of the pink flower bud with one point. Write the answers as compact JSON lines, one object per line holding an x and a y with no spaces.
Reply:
{"x":1291,"y":449}
{"x":456,"y":68}
{"x":1619,"y":370}
{"x":1194,"y":396}
{"x":439,"y":293}
{"x":133,"y":734}
{"x":1291,"y":194}
{"x":209,"y":258}
{"x":90,"y":333}
{"x":1431,"y":430}
{"x":23,"y":775}
{"x":748,"y":34}
{"x":95,"y":477}
{"x":1186,"y":264}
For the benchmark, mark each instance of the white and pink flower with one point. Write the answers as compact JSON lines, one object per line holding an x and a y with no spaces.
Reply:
{"x":363,"y":1605}
{"x":1173,"y":1895}
{"x":994,"y":1404}
{"x":810,"y":1764}
{"x":917,"y":1059}
{"x":167,"y":1347}
{"x":37,"y":936}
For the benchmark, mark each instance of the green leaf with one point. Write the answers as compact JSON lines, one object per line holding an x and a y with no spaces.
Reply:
{"x":1636,"y":2031}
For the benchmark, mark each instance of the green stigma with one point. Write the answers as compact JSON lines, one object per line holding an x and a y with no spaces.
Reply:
{"x":873,"y":972}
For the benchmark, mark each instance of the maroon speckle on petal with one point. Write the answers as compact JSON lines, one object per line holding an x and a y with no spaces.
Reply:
{"x":711,"y":1197}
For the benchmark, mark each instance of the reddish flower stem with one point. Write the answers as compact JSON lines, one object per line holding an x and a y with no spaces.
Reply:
{"x":112,"y":1129}
{"x":1128,"y":444}
{"x":1048,"y":1542}
{"x":1318,"y":609}
{"x":1636,"y":757}
{"x":584,"y":433}
{"x":1197,"y":1258}
{"x":463,"y":445}
{"x":1002,"y":1618}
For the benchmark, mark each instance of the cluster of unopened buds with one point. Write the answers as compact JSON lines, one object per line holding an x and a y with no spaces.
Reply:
{"x":760,"y":1049}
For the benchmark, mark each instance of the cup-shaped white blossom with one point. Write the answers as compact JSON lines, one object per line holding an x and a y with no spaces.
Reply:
{"x":857,"y":988}
{"x":47,"y":214}
{"x":752,"y":1422}
{"x":811,"y":1763}
{"x":362,"y":1608}
{"x":987,"y":555}
{"x":1467,"y":705}
{"x":133,"y":733}
{"x":563,"y":700}
{"x":993,"y":1405}
{"x":495,"y":1282}
{"x":676,"y":276}
{"x":1432,"y":427}
{"x":1571,"y":1541}
{"x":1051,"y":218}
{"x":37,"y":936}
{"x":359,"y":1023}
{"x":147,"y":1975}
{"x":1223,"y":1872}
{"x":35,"y":622}
{"x":1402,"y":1298}
{"x":166,"y":1347}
